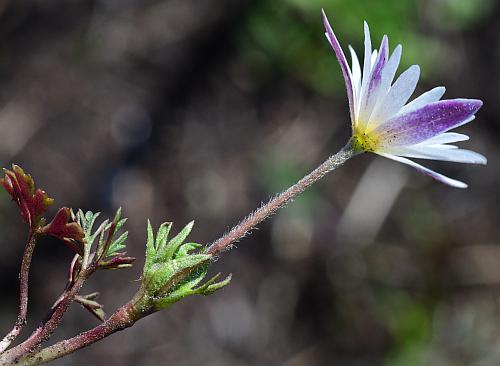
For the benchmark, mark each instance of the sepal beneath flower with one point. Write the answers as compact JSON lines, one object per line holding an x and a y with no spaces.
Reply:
{"x":32,"y":202}
{"x":64,"y":228}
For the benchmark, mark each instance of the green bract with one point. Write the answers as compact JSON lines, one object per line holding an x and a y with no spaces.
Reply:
{"x":174,"y":269}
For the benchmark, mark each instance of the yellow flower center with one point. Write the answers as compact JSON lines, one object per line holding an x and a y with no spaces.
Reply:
{"x":365,"y":141}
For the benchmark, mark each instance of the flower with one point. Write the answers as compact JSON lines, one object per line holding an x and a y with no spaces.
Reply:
{"x":385,"y":124}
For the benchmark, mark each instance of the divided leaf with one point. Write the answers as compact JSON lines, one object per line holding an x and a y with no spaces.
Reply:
{"x":109,"y":252}
{"x":32,"y":202}
{"x":174,"y":269}
{"x":64,"y":228}
{"x":89,"y":302}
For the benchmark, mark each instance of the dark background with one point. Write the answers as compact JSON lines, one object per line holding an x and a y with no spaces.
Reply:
{"x":201,"y":109}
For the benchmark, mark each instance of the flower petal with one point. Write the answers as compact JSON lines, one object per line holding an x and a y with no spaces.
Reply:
{"x":367,"y":66}
{"x":439,"y":152}
{"x":387,"y":77}
{"x":356,"y":77}
{"x":445,"y":138}
{"x":397,"y":96}
{"x":372,"y":93}
{"x":344,"y":66}
{"x":426,"y":171}
{"x":428,"y":97}
{"x":426,"y":122}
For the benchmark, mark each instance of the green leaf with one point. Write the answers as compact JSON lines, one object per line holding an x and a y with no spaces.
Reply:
{"x":162,"y":237}
{"x":117,"y":245}
{"x":150,"y":248}
{"x":177,"y":241}
{"x":174,"y":269}
{"x":186,"y":248}
{"x":206,"y":289}
{"x":165,"y":276}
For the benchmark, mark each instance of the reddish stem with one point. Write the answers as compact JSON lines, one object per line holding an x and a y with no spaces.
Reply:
{"x":45,"y":330}
{"x":23,"y":292}
{"x":139,"y":307}
{"x":123,"y":318}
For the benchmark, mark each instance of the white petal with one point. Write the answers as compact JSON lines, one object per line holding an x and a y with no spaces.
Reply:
{"x":373,"y":59}
{"x":428,"y":97}
{"x":368,"y":51}
{"x":387,"y":77}
{"x":426,"y":171}
{"x":372,"y":92}
{"x":366,"y":65}
{"x":444,"y":138}
{"x":439,"y":152}
{"x":397,"y":96}
{"x":356,"y":76}
{"x":470,"y":119}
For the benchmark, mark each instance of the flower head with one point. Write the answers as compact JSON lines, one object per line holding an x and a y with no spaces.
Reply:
{"x":384,"y":123}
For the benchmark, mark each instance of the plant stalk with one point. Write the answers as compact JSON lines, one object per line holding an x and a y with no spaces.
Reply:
{"x":23,"y":292}
{"x":251,"y":221}
{"x":139,"y":307}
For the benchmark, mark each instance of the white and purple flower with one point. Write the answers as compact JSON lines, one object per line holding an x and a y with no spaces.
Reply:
{"x":383,"y":122}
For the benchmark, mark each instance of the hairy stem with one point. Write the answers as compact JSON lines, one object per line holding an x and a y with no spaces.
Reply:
{"x":124,"y":317}
{"x":255,"y":218}
{"x":45,"y":330}
{"x":141,"y":305}
{"x":23,"y":292}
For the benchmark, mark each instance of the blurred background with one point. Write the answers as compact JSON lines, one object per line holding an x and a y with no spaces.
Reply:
{"x":188,"y":109}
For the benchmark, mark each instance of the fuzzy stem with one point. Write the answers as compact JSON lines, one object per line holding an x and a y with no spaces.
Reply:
{"x":45,"y":330}
{"x":124,"y":317}
{"x":279,"y":201}
{"x":141,"y":306}
{"x":23,"y":292}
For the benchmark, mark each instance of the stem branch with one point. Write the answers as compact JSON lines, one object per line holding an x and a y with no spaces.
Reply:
{"x":124,"y":317}
{"x":141,"y":306}
{"x":45,"y":330}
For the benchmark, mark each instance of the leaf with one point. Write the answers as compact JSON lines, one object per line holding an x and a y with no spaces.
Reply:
{"x":164,"y":276}
{"x":186,"y":248}
{"x":32,"y":202}
{"x":89,"y":303}
{"x":177,"y":241}
{"x":162,"y":237}
{"x":171,"y":271}
{"x":206,"y":289}
{"x":119,"y":261}
{"x":150,"y":248}
{"x":63,"y":228}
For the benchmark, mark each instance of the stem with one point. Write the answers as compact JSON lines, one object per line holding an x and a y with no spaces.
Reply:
{"x":45,"y":330}
{"x":141,"y":305}
{"x":124,"y":317}
{"x":23,"y":292}
{"x":279,"y":201}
